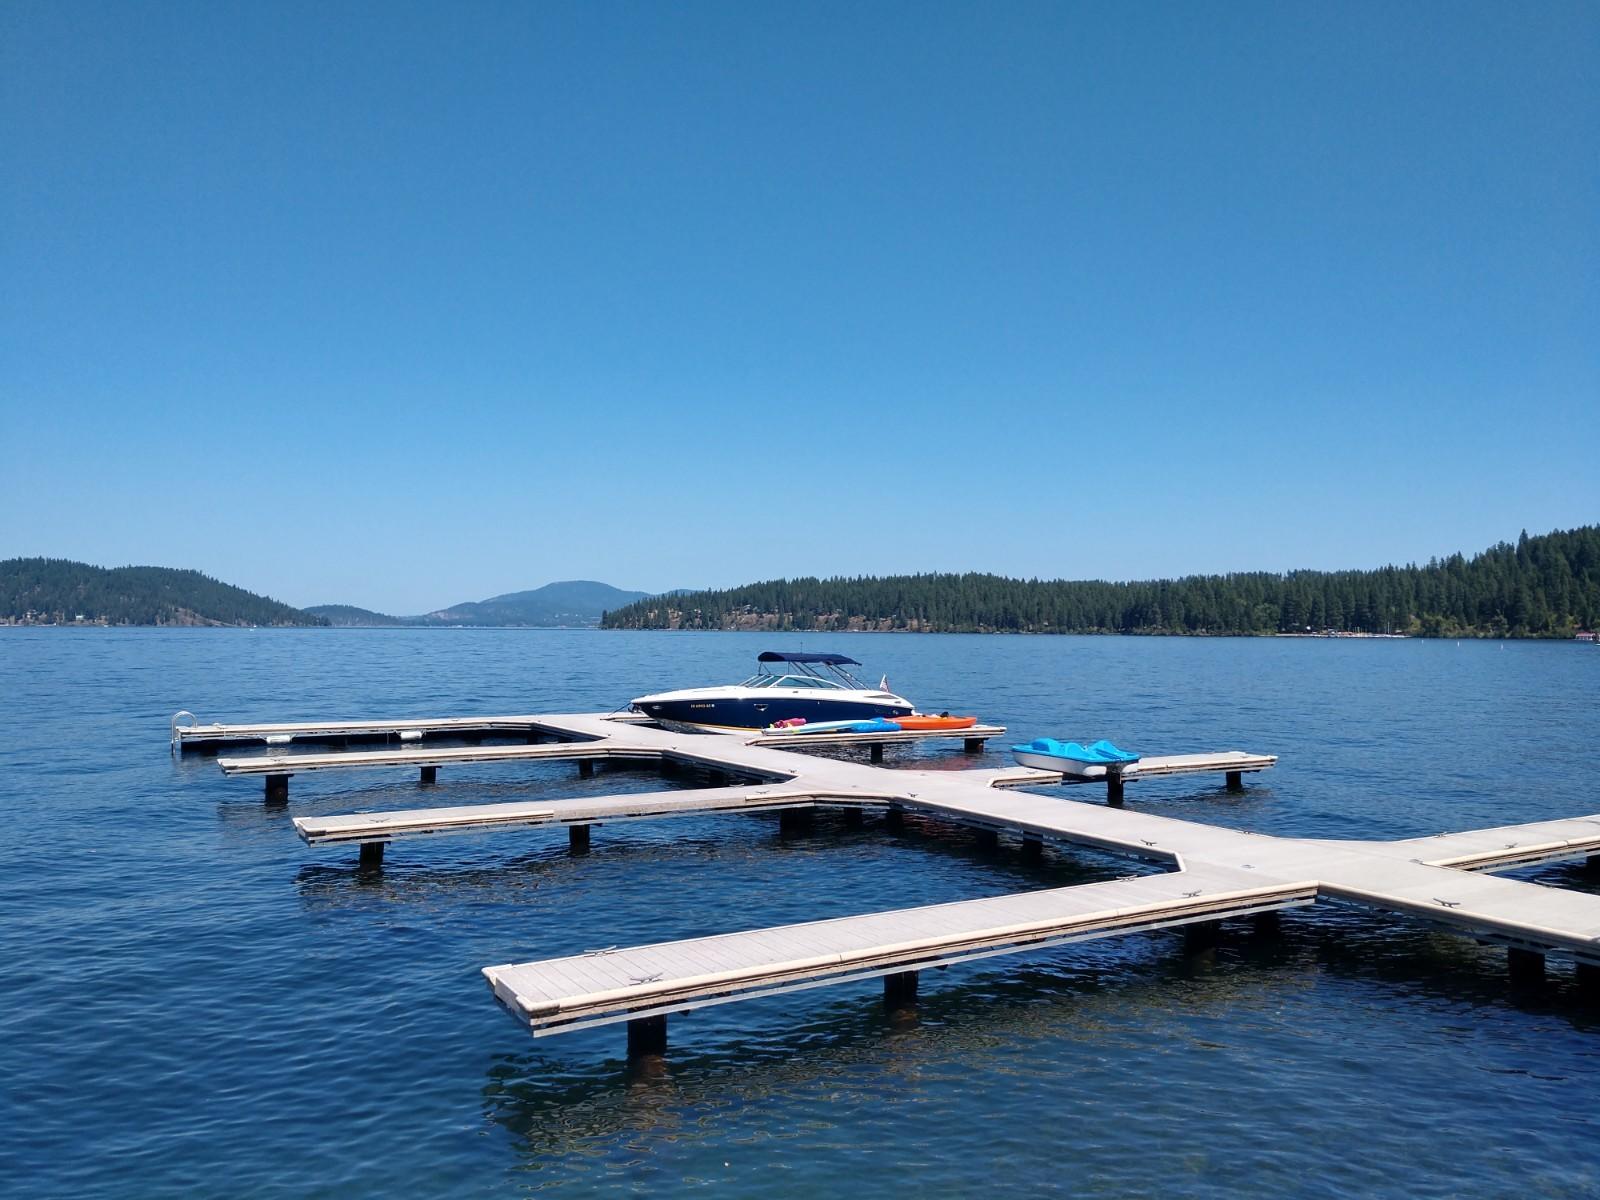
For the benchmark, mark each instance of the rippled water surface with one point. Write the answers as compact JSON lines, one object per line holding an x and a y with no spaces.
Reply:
{"x":196,"y":1003}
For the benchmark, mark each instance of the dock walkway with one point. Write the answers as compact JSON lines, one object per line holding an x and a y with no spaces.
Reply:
{"x":213,"y":736}
{"x":1211,"y":873}
{"x":642,"y":982}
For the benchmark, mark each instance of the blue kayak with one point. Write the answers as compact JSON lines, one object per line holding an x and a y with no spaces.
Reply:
{"x":870,"y":725}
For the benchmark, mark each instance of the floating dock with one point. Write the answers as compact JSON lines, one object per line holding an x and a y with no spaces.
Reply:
{"x":190,"y":735}
{"x":1207,"y":873}
{"x":545,"y":738}
{"x":643,"y":984}
{"x":1234,"y":765}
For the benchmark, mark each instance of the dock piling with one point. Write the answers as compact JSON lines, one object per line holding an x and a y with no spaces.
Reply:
{"x":1032,"y":847}
{"x":429,"y":777}
{"x":277,"y":789}
{"x":795,"y":820}
{"x":371,"y":855}
{"x":1234,"y":781}
{"x":1588,"y":978}
{"x":900,"y":990}
{"x":855,"y":817}
{"x":1525,"y":966}
{"x":585,"y":768}
{"x":972,"y":746}
{"x":876,"y":752}
{"x":647,"y":1037}
{"x":1114,"y":786}
{"x":578,"y":839}
{"x":1201,"y":936}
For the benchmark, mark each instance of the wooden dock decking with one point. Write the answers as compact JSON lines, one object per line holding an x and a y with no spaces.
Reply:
{"x":1211,"y":873}
{"x":197,"y":736}
{"x":520,"y":814}
{"x":649,"y":981}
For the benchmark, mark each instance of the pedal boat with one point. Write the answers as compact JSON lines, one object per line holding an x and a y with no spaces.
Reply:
{"x":1070,"y":758}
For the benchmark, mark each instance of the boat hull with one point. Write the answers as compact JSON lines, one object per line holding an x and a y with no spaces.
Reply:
{"x":728,"y":712}
{"x":1040,"y":761}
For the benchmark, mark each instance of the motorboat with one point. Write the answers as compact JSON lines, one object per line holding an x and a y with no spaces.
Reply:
{"x":1070,"y":758}
{"x":787,"y":686}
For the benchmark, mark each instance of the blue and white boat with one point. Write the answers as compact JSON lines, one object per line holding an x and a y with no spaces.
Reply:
{"x":810,"y":687}
{"x":1069,"y":758}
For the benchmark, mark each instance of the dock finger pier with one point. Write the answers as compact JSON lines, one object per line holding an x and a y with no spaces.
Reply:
{"x":1203,"y":874}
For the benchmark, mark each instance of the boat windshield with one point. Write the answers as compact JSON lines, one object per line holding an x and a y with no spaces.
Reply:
{"x":791,"y":681}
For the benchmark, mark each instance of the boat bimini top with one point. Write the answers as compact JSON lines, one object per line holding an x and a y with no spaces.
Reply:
{"x":832,"y":675}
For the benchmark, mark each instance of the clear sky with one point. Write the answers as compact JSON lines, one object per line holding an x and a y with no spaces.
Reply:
{"x":400,"y":305}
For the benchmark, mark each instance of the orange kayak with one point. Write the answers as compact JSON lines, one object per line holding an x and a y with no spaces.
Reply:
{"x":922,"y":722}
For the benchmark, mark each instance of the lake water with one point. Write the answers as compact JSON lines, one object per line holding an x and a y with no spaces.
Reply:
{"x":198,"y":1004}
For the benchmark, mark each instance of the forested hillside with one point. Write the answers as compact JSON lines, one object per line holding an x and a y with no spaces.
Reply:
{"x":1545,"y":586}
{"x":56,"y":590}
{"x":349,"y":616}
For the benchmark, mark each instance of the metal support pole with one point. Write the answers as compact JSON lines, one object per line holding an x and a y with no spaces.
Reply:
{"x":429,"y":777}
{"x":586,"y":768}
{"x":1235,"y":781}
{"x":1525,"y":966}
{"x":899,"y":990}
{"x":876,"y":752}
{"x":895,"y":818}
{"x":972,"y":745}
{"x":371,"y":855}
{"x":1114,"y":786}
{"x":647,"y":1036}
{"x":795,"y":820}
{"x":578,"y":839}
{"x":277,"y":789}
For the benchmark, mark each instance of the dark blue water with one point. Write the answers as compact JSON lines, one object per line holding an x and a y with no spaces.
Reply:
{"x":196,"y":1003}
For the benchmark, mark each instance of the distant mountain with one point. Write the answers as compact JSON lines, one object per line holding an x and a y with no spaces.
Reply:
{"x":57,"y":591}
{"x":348,"y":615}
{"x":570,"y":602}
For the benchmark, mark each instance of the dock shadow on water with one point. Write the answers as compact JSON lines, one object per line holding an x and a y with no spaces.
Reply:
{"x":1252,"y":1003}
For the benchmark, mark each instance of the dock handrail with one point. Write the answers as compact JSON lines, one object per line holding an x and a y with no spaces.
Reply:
{"x":182,"y":712}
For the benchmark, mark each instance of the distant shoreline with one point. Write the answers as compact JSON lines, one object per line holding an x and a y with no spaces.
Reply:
{"x":1333,"y":636}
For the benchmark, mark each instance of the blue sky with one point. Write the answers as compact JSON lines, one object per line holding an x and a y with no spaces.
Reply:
{"x":400,"y":305}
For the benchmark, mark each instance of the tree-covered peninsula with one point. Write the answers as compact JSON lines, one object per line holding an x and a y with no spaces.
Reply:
{"x":1546,"y":586}
{"x":56,"y":591}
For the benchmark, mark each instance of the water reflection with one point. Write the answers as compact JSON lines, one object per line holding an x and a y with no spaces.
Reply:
{"x":1140,"y":995}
